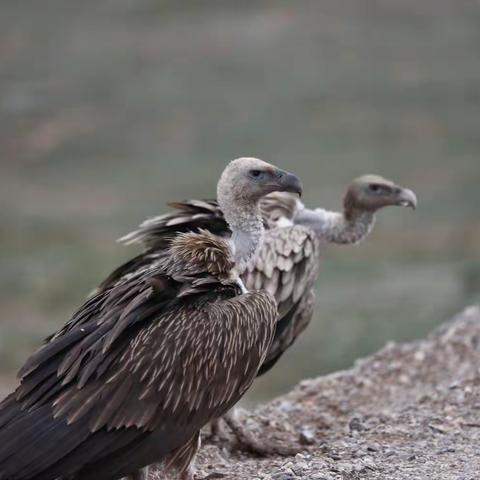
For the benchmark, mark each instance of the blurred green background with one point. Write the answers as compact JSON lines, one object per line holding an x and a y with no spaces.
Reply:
{"x":109,"y":108}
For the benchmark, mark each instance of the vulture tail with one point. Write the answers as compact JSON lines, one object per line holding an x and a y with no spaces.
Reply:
{"x":33,"y":441}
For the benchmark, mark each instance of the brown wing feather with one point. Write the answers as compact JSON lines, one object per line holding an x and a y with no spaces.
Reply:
{"x":193,"y":362}
{"x":287,"y":267}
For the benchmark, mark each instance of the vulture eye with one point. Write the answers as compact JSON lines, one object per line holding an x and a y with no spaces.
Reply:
{"x":256,"y":174}
{"x":375,"y":188}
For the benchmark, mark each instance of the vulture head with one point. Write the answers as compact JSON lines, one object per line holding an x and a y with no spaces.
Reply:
{"x":372,"y":192}
{"x":246,"y":180}
{"x":243,"y":183}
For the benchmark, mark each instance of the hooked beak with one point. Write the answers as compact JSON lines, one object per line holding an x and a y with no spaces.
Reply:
{"x":288,"y":182}
{"x":406,"y":198}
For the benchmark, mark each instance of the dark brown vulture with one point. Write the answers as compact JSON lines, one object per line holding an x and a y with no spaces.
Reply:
{"x":288,"y":261}
{"x":145,"y":363}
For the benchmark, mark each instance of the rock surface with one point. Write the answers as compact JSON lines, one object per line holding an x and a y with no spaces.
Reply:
{"x":410,"y":411}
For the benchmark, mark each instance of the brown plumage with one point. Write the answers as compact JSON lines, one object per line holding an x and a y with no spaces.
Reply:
{"x":287,"y":264}
{"x":148,"y":360}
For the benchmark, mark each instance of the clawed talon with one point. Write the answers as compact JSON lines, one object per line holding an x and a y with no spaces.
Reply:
{"x":248,"y":442}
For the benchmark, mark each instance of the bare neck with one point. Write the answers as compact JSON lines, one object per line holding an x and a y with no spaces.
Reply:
{"x":246,"y":224}
{"x":348,"y":227}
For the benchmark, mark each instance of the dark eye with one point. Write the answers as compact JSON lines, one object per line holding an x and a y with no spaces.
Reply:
{"x":256,"y":173}
{"x":373,"y":187}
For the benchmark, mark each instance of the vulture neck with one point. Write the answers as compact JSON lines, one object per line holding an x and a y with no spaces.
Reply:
{"x":246,"y":224}
{"x":347,"y":227}
{"x":350,"y":227}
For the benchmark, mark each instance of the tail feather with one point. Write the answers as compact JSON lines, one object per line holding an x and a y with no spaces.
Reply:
{"x":36,"y":446}
{"x":34,"y":441}
{"x":100,"y":457}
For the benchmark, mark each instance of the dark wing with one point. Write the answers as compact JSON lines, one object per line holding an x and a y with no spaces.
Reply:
{"x":155,"y":233}
{"x":188,"y":216}
{"x":135,"y":374}
{"x":286,"y":266}
{"x":192,"y":216}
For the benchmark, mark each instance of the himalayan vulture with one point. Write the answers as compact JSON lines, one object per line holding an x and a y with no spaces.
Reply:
{"x":145,"y":363}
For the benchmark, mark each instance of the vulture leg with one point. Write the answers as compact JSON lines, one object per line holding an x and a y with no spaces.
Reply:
{"x":188,"y":474}
{"x":248,"y":442}
{"x":182,"y":459}
{"x":217,"y":431}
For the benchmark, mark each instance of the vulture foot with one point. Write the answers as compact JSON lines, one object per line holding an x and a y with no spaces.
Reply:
{"x":248,"y":442}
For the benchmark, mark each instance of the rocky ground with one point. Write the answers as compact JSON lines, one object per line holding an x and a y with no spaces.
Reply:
{"x":410,"y":411}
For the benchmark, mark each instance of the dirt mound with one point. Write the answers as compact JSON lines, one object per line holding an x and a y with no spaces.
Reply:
{"x":410,"y":411}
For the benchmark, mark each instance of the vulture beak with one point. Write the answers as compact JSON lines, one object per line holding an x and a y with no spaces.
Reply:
{"x":288,"y":182}
{"x":406,"y":198}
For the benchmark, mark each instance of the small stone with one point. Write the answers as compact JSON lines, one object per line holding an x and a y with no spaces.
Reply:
{"x":335,"y":456}
{"x":369,"y":463}
{"x":359,"y":453}
{"x":356,"y":424}
{"x":438,"y":429}
{"x":283,"y":476}
{"x":286,"y":406}
{"x":320,"y":476}
{"x":307,"y":436}
{"x":446,"y":450}
{"x":300,"y":468}
{"x":299,"y":457}
{"x":346,"y":467}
